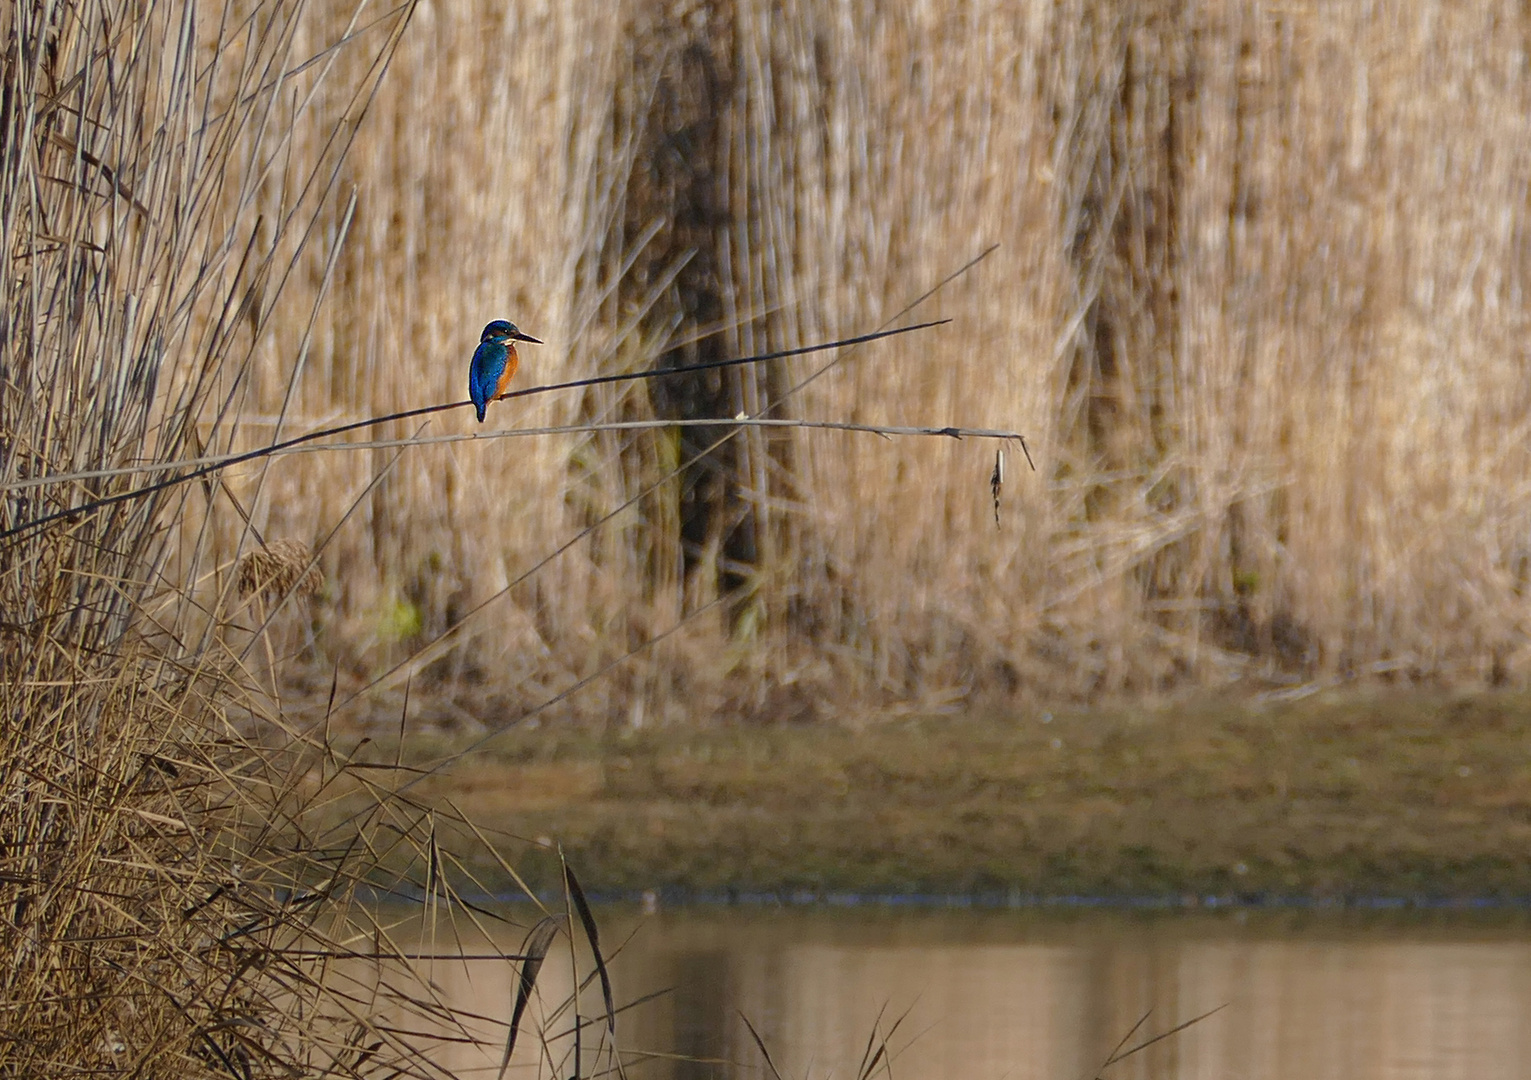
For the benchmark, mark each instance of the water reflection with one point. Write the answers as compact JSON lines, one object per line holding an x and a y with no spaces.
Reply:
{"x":1021,"y":996}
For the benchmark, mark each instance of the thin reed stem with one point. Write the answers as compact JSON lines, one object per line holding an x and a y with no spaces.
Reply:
{"x":205,"y":467}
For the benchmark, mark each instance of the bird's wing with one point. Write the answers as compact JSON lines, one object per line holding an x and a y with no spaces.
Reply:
{"x":484,"y":374}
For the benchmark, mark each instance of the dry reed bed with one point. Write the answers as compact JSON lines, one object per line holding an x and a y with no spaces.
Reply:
{"x":169,"y":909}
{"x":1258,"y":300}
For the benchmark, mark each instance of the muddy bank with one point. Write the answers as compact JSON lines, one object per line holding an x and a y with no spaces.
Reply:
{"x":1395,"y":796}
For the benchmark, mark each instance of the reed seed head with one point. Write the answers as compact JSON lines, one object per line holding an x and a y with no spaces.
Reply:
{"x":283,"y":566}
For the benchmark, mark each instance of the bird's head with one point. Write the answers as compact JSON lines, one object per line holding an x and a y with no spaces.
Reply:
{"x":500,"y":330}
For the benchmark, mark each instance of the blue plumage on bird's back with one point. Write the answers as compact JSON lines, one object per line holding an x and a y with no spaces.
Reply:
{"x":484,"y":374}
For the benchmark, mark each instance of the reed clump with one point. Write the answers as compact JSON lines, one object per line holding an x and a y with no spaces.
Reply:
{"x":281,"y":568}
{"x":170,"y":907}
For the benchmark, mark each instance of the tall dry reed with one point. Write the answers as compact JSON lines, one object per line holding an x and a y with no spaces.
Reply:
{"x":176,"y":898}
{"x":1257,"y":299}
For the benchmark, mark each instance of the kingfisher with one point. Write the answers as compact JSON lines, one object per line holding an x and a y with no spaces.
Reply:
{"x":494,"y":363}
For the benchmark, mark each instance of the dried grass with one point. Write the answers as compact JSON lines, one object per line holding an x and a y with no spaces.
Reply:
{"x":280,"y":568}
{"x":170,"y":908}
{"x":1257,"y":300}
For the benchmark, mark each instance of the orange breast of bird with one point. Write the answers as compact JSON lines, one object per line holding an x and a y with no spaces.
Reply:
{"x":512,"y":361}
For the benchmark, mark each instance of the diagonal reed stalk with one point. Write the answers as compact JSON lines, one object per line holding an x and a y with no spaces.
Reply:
{"x":197,"y":468}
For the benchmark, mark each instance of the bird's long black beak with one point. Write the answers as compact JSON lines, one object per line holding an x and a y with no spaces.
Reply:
{"x":526,"y":337}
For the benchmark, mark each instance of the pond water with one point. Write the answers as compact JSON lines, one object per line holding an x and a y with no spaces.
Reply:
{"x":1007,"y":995}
